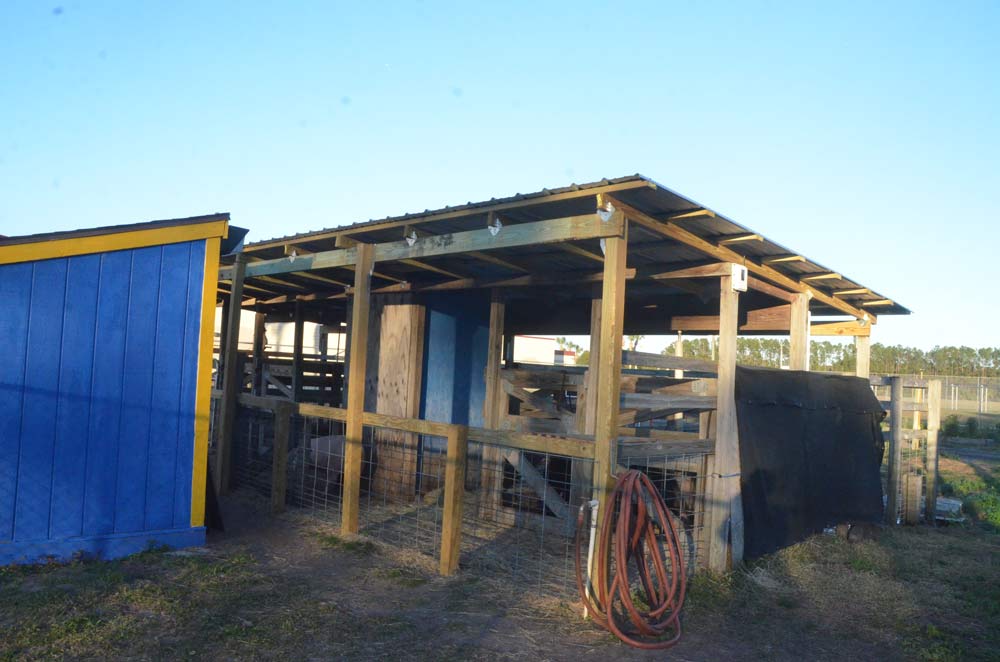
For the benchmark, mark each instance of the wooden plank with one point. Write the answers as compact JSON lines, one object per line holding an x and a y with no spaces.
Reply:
{"x":609,"y":366}
{"x":299,"y":321}
{"x":259,"y":361}
{"x":847,"y":328}
{"x":541,"y":403}
{"x":662,"y":362}
{"x":415,"y":425}
{"x":578,"y":446}
{"x":933,"y":426}
{"x":728,"y":518}
{"x":473,"y":210}
{"x":772,"y":319}
{"x":637,"y":448}
{"x":494,"y":408}
{"x":321,"y":411}
{"x":525,"y":377}
{"x":713,"y":270}
{"x":728,"y":255}
{"x":231,"y":381}
{"x":358,"y":340}
{"x":279,"y":456}
{"x":668,"y":402}
{"x":895,"y":450}
{"x":863,"y":354}
{"x":771,"y":290}
{"x":454,"y":492}
{"x":588,"y":226}
{"x":798,"y":352}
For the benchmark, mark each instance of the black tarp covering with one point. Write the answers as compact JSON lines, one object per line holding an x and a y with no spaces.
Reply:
{"x":810,"y":453}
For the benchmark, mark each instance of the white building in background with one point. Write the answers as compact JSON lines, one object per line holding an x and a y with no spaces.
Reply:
{"x":541,"y":349}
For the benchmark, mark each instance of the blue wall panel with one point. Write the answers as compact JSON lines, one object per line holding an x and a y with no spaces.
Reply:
{"x":15,"y":293}
{"x":98,"y":368}
{"x":457,"y":342}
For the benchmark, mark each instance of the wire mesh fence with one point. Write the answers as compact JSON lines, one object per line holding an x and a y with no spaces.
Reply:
{"x":316,"y":466}
{"x":252,"y":450}
{"x":682,"y":482}
{"x":520,"y":516}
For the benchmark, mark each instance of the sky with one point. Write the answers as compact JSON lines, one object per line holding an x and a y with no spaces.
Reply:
{"x":863,"y":135}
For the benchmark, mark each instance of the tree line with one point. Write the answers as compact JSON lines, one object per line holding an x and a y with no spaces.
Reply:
{"x":841,"y":357}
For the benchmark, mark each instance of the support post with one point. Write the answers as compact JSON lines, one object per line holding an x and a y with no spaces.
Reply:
{"x":798,"y":353}
{"x":279,"y":456}
{"x":679,"y":374}
{"x":609,"y":366}
{"x":491,"y":471}
{"x":933,"y":425}
{"x":259,"y":385}
{"x":297,"y":353}
{"x":223,"y":334}
{"x":231,"y":379}
{"x":589,"y":414}
{"x":727,"y":516}
{"x":454,"y":491}
{"x":353,"y":449}
{"x":894,"y":478}
{"x":863,"y":355}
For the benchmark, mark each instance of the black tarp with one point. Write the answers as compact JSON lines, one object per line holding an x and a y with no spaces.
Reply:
{"x":810,"y":453}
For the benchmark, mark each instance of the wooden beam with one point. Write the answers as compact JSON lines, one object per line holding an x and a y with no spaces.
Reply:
{"x":856,"y":290}
{"x":894,"y":481}
{"x":728,"y":255}
{"x":778,"y":259}
{"x":727,"y":517}
{"x":358,"y":340}
{"x":588,"y":226}
{"x":494,"y":408}
{"x":826,"y":275}
{"x":298,"y":339}
{"x":231,"y":381}
{"x":413,"y":233}
{"x":473,"y":210}
{"x":279,"y":456}
{"x":844,"y":328}
{"x":662,"y":362}
{"x":454,"y":493}
{"x":863,"y":355}
{"x":879,"y":302}
{"x":775,"y":319}
{"x":738,"y":239}
{"x":259,"y":361}
{"x":714,"y":270}
{"x":581,"y":252}
{"x":609,"y":369}
{"x":933,"y":426}
{"x":688,"y":215}
{"x":771,"y":290}
{"x":798,"y":353}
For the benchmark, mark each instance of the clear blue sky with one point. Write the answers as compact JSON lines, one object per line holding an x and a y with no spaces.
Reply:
{"x":864,"y":137}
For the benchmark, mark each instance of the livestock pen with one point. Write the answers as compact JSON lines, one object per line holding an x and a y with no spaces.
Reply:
{"x":426,"y":433}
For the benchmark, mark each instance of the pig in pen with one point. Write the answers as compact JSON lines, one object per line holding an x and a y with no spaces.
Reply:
{"x":316,"y":463}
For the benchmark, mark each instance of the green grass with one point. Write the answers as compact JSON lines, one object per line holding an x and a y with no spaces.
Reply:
{"x":980,"y":495}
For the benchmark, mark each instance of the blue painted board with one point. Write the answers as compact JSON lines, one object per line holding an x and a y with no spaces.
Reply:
{"x":15,"y":293}
{"x":69,"y":460}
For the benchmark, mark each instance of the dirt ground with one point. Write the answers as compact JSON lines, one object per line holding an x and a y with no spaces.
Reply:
{"x":289,"y":588}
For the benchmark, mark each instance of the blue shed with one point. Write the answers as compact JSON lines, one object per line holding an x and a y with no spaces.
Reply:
{"x":106,"y":340}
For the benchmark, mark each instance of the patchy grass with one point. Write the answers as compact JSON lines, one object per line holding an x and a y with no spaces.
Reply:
{"x":977,"y":484}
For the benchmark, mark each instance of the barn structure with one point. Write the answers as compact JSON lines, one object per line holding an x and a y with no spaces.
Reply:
{"x":426,"y":402}
{"x":105,"y":379}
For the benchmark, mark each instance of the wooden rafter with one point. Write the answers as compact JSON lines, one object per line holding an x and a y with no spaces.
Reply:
{"x":728,"y":255}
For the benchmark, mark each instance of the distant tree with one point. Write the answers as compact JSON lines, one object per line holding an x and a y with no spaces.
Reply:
{"x":583,"y":358}
{"x":633,"y":342}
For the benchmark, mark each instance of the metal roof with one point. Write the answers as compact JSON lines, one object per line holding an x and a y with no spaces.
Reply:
{"x":646,"y":248}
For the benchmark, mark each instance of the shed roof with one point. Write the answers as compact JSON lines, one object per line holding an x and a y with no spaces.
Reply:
{"x":713,"y":233}
{"x":48,"y":245}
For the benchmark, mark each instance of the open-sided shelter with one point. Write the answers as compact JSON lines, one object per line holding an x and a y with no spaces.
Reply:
{"x":431,"y":303}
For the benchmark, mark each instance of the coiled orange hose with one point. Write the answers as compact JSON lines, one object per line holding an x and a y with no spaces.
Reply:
{"x":637,"y":544}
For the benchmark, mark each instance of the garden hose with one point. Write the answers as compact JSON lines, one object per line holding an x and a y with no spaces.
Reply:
{"x":638,"y":579}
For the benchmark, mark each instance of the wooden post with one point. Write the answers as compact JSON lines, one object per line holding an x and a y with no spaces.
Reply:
{"x":727,"y":515}
{"x":933,"y":425}
{"x":863,"y":354}
{"x":893,"y":482}
{"x":918,"y":397}
{"x":224,"y":323}
{"x":353,"y":451}
{"x":259,"y":385}
{"x":590,"y":401}
{"x":491,"y":470}
{"x":231,"y":380}
{"x":609,"y":366}
{"x":297,"y":353}
{"x":279,"y":456}
{"x":798,"y":353}
{"x":454,"y":491}
{"x":679,"y":374}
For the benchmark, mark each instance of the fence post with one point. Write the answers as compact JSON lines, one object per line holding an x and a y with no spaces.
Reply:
{"x":279,"y":456}
{"x":232,"y":380}
{"x":454,"y":491}
{"x":895,"y":448}
{"x":933,"y":425}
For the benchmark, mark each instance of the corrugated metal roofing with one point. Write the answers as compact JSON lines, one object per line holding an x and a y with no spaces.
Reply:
{"x":645,"y":247}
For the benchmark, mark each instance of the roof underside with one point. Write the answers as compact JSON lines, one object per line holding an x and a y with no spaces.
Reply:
{"x":648,"y":251}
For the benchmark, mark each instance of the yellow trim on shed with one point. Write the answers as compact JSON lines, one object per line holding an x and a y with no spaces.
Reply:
{"x":116,"y":241}
{"x":203,"y":397}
